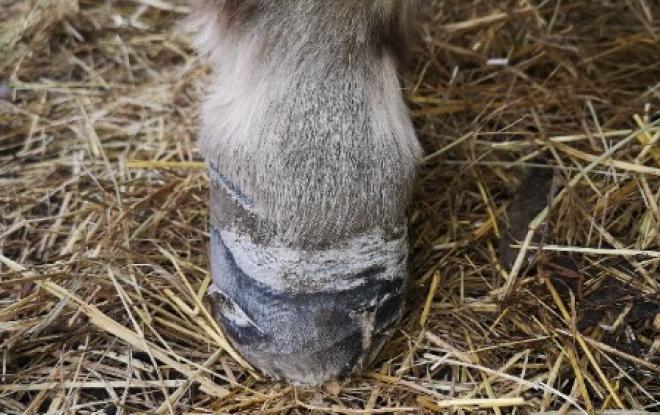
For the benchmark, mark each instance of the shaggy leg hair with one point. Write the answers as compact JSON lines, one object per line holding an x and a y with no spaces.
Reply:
{"x":312,"y":156}
{"x":305,"y":113}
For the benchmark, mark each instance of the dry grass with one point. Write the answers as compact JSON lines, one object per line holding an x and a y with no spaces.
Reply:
{"x":103,"y":217}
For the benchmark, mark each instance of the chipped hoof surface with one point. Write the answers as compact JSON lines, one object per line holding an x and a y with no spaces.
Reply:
{"x":302,"y":333}
{"x":304,"y":316}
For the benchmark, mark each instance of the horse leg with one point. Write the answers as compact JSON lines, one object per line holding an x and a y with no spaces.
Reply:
{"x":311,"y":156}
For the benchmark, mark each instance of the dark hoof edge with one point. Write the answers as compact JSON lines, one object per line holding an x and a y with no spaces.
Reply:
{"x":310,"y":336}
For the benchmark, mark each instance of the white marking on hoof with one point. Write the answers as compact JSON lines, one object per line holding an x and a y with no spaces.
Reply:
{"x":358,"y":260}
{"x":231,"y":311}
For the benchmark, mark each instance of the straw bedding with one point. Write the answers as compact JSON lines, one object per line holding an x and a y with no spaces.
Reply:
{"x":535,"y":223}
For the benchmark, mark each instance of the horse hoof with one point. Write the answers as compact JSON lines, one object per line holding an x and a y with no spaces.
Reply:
{"x":303,"y":316}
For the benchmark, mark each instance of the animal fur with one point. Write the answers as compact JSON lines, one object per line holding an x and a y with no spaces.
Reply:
{"x":305,"y":114}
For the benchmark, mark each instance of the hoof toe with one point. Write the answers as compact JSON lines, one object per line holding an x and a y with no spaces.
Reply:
{"x":307,"y":317}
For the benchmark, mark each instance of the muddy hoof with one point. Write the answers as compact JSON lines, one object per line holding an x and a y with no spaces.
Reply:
{"x":303,"y":316}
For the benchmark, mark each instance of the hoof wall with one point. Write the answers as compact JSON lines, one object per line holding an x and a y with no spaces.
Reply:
{"x":303,"y":315}
{"x":308,"y":317}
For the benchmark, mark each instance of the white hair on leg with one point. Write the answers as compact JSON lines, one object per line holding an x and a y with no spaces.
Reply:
{"x":305,"y":113}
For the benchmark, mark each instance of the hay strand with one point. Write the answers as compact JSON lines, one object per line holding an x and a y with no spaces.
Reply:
{"x":544,"y":306}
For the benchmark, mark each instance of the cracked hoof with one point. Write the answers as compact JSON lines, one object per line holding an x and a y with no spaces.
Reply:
{"x":303,"y":316}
